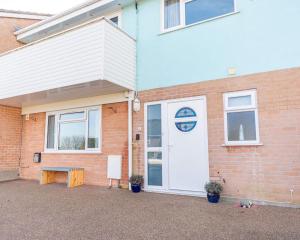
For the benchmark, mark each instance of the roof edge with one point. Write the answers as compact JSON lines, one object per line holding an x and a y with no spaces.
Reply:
{"x":23,"y":14}
{"x":56,"y":16}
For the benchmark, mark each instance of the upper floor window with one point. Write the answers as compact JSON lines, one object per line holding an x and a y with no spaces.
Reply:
{"x":178,"y":13}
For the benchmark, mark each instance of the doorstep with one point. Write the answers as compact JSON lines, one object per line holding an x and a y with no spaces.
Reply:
{"x":9,"y":175}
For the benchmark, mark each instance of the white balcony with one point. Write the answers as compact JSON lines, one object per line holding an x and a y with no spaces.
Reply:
{"x":92,"y":59}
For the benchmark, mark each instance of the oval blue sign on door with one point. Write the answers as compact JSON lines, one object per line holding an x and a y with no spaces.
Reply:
{"x":185,"y":112}
{"x":189,"y":125}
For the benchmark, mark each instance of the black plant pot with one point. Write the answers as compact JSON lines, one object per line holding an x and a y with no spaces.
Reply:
{"x":213,"y":197}
{"x":136,"y":188}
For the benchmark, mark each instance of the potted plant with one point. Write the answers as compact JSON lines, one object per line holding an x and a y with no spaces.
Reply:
{"x":136,"y":183}
{"x":213,"y":190}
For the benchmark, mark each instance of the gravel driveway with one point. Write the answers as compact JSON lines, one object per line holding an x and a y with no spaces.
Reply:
{"x":31,"y":211}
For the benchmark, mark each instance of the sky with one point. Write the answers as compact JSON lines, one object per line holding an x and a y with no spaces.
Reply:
{"x":40,"y":6}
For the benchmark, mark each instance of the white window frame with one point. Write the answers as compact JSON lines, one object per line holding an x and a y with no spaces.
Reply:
{"x":85,"y":119}
{"x":245,"y":108}
{"x":182,"y":16}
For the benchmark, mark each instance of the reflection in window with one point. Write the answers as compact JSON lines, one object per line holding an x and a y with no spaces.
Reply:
{"x":155,"y":168}
{"x":241,"y":126}
{"x":154,"y":126}
{"x":51,"y":132}
{"x":172,"y":13}
{"x":71,"y":136}
{"x":200,"y":10}
{"x":93,"y":132}
{"x":239,"y":101}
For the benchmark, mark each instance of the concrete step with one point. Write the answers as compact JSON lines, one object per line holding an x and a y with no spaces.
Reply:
{"x":8,"y":175}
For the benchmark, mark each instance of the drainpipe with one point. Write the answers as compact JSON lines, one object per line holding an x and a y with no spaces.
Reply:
{"x":130,"y":98}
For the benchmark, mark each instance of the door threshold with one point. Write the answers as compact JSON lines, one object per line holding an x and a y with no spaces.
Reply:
{"x":177,"y":192}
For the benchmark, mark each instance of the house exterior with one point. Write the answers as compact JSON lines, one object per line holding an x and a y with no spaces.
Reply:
{"x":218,"y":84}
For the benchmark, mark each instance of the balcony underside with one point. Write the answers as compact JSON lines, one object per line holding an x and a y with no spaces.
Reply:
{"x":90,"y":89}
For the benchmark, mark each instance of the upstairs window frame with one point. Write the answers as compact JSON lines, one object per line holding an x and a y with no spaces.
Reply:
{"x":182,"y":15}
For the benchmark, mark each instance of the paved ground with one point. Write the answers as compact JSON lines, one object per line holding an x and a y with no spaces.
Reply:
{"x":31,"y":211}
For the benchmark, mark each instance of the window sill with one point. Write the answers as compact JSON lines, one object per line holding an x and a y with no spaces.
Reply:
{"x":242,"y":145}
{"x":197,"y":23}
{"x":72,"y":152}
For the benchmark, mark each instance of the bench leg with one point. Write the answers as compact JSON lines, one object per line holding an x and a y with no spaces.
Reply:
{"x":75,"y":178}
{"x":47,"y":177}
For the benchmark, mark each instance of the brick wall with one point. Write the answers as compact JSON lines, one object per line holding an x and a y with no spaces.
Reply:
{"x":265,"y":172}
{"x":114,"y":141}
{"x":8,"y":40}
{"x":10,"y":118}
{"x":10,"y":137}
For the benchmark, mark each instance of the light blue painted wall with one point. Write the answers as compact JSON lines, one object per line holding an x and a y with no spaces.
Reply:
{"x":263,"y":36}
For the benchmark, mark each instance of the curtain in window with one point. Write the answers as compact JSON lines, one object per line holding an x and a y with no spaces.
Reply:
{"x":172,"y":13}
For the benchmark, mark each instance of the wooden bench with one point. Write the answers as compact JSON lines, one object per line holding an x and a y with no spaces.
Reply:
{"x":74,"y":178}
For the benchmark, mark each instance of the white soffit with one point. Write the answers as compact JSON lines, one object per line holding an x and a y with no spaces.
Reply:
{"x":74,"y":16}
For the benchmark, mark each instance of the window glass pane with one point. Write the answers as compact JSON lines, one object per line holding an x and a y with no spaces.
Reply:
{"x":199,"y":10}
{"x":155,"y":168}
{"x":93,"y":132}
{"x":172,"y":13}
{"x":72,"y":116}
{"x":239,"y":101}
{"x":154,"y":126}
{"x":115,"y":20}
{"x":72,"y":136}
{"x":241,"y":126}
{"x":51,"y":132}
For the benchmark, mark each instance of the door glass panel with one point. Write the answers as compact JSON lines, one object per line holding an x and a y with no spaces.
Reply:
{"x":154,"y":126}
{"x":154,"y":168}
{"x":241,"y":126}
{"x":240,"y":101}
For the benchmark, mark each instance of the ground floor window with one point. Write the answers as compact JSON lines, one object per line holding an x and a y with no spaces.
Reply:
{"x":241,"y":118}
{"x":73,"y":130}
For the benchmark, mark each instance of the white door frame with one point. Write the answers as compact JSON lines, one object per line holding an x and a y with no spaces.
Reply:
{"x":164,"y":148}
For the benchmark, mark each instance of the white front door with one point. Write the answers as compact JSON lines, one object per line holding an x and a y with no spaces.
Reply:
{"x":187,"y":146}
{"x":176,"y":156}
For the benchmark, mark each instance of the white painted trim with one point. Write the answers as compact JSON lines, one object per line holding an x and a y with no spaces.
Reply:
{"x":130,"y":123}
{"x":76,"y":103}
{"x":252,"y":107}
{"x":85,"y":119}
{"x":164,"y":147}
{"x":182,"y":24}
{"x":115,"y":14}
{"x":173,"y":192}
{"x":65,"y":15}
{"x":23,"y":16}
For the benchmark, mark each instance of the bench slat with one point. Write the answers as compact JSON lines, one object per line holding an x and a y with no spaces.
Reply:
{"x":60,"y":169}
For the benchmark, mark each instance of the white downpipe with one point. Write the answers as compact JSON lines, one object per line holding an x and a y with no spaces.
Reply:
{"x":129,"y":138}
